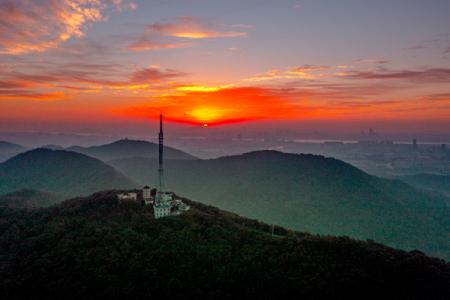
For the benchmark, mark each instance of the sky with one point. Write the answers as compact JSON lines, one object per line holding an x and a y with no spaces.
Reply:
{"x":103,"y":66}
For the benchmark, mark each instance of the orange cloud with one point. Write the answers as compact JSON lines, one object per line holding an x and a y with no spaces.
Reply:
{"x":22,"y":95}
{"x":27,"y":26}
{"x":201,"y":88}
{"x":84,"y":78}
{"x":303,"y":72}
{"x":191,"y":28}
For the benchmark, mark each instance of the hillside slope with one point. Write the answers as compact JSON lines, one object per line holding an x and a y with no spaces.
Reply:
{"x":129,"y":148}
{"x":96,"y":247}
{"x":309,"y":193}
{"x":438,"y":183}
{"x":60,"y":172}
{"x":27,"y":198}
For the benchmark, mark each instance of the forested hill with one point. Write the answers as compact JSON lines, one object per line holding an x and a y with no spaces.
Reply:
{"x":60,"y":172}
{"x":96,"y":247}
{"x":309,"y":193}
{"x":130,"y":148}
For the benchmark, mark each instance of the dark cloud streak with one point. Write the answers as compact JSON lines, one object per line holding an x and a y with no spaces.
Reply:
{"x":439,"y":75}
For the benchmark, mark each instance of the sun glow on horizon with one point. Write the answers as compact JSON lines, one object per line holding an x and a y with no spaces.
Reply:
{"x":224,"y":106}
{"x":202,"y":88}
{"x":206,"y":114}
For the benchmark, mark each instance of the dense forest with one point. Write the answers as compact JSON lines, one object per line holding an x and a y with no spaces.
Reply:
{"x":98,"y":247}
{"x":309,"y":193}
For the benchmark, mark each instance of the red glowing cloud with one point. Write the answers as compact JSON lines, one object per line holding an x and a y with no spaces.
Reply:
{"x":208,"y":106}
{"x":222,"y":106}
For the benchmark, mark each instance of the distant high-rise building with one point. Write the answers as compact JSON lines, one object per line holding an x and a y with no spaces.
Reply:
{"x":415,"y":144}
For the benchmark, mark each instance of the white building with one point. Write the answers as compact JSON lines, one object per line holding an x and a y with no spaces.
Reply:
{"x":166,"y":205}
{"x":162,"y":209}
{"x":127,"y":196}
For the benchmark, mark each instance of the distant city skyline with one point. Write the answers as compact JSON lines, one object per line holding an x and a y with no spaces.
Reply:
{"x":309,"y":67}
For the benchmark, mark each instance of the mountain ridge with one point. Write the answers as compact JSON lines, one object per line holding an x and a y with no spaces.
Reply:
{"x":126,"y":148}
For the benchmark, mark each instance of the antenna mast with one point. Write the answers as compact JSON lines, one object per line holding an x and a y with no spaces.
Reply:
{"x":161,"y":153}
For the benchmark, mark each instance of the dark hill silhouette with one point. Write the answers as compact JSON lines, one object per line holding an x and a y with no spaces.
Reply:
{"x":97,"y":247}
{"x":8,"y":150}
{"x":130,"y":148}
{"x":309,"y":193}
{"x":61,"y":172}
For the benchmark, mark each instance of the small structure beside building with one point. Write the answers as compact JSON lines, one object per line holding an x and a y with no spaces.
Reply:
{"x":127,"y":196}
{"x":180,"y":207}
{"x":167,"y":205}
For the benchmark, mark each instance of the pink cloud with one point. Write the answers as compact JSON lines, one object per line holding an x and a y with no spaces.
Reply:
{"x":167,"y":35}
{"x":148,"y":45}
{"x":149,"y":75}
{"x":192,"y":28}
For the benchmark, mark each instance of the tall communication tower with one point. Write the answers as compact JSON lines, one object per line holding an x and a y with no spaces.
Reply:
{"x":161,"y":153}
